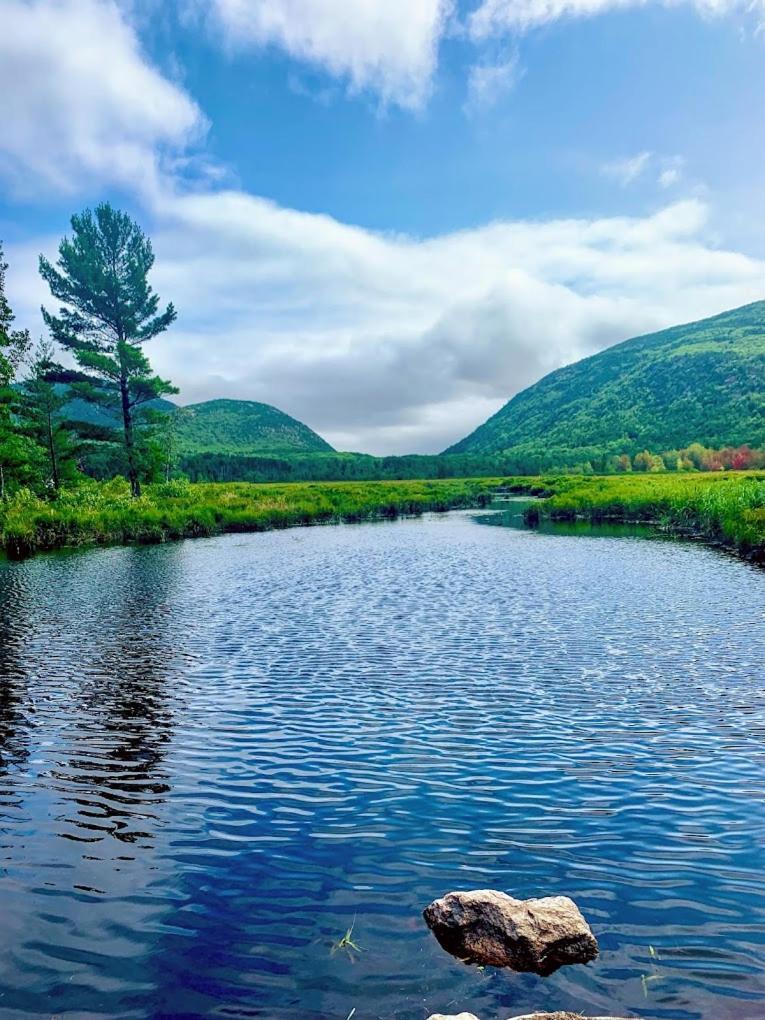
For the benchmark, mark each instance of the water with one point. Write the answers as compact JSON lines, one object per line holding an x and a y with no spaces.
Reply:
{"x":216,"y":756}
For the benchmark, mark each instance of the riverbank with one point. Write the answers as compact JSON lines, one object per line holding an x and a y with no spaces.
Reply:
{"x":726,"y":510}
{"x":105,"y":514}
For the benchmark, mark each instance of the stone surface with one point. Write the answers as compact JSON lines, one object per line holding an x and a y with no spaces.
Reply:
{"x":562,"y":1016}
{"x":453,"y":1016}
{"x":526,"y":1016}
{"x":491,"y":928}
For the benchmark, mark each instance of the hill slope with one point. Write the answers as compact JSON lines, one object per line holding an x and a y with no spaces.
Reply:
{"x":222,"y":426}
{"x":701,"y":382}
{"x":244,"y":427}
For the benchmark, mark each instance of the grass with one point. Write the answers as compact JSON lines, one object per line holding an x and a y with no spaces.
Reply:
{"x":725,"y":509}
{"x":104,"y":513}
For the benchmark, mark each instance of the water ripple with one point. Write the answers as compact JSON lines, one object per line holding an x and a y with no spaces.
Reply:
{"x":216,"y":757}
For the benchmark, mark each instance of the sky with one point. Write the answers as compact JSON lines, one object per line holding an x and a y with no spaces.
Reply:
{"x":386,"y":217}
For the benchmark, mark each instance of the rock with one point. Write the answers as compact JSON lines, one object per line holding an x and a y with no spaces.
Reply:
{"x":562,"y":1016}
{"x":492,"y":928}
{"x":526,"y":1016}
{"x":453,"y":1016}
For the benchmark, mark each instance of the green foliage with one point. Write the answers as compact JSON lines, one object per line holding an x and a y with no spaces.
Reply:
{"x":96,"y":513}
{"x":725,"y":508}
{"x":215,"y":467}
{"x":20,"y":457}
{"x":39,"y":416}
{"x":245,"y":427}
{"x":703,"y":382}
{"x":109,"y":311}
{"x":14,"y":343}
{"x":346,"y":943}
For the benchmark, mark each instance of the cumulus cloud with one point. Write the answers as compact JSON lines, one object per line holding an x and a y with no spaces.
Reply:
{"x":79,"y":102}
{"x":383,"y":343}
{"x":395,"y":344}
{"x":387,"y":46}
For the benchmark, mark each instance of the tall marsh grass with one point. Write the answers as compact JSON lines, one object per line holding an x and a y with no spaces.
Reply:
{"x":105,"y":514}
{"x":727,"y":508}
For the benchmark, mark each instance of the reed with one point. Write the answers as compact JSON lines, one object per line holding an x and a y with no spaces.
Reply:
{"x":105,"y":514}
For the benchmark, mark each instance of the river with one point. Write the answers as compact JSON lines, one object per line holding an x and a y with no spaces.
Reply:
{"x":218,"y":756}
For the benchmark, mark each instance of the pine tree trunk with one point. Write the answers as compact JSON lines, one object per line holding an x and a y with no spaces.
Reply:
{"x":127,"y":420}
{"x":53,"y":457}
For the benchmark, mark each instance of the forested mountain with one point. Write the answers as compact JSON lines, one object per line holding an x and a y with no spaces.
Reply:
{"x":244,"y":427}
{"x":232,"y":427}
{"x":703,"y":382}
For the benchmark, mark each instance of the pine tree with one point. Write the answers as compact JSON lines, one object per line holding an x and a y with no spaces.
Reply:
{"x":39,"y":412}
{"x":109,"y":313}
{"x":16,"y":455}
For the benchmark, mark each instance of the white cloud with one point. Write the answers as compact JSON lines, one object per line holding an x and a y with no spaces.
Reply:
{"x":489,"y":82}
{"x":666,"y":171}
{"x":79,"y":102}
{"x":384,"y":343}
{"x":387,"y":46}
{"x":627,"y":170}
{"x":497,"y":16}
{"x":671,"y":171}
{"x":397,"y":344}
{"x":394,"y":344}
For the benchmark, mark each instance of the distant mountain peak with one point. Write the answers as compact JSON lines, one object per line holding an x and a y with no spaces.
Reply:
{"x":245,"y":427}
{"x":224,"y":425}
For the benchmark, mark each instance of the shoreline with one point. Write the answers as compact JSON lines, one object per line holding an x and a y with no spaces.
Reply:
{"x":724,"y":512}
{"x":104,"y":515}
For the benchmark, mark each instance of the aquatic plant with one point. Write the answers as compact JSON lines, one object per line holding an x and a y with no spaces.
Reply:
{"x":346,"y":943}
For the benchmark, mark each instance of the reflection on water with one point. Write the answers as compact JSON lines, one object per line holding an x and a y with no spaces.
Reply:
{"x":509,"y":513}
{"x":214,"y":756}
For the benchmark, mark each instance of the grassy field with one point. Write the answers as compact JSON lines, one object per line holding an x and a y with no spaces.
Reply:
{"x":104,"y":513}
{"x":726,"y":508}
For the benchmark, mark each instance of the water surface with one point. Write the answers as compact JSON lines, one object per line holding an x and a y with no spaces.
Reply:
{"x":217,"y":756}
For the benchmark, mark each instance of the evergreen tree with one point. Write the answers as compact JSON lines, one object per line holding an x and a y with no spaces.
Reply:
{"x":17,"y":455}
{"x":39,"y":411}
{"x":109,"y":313}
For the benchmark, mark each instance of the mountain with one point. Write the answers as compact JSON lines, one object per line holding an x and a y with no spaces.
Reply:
{"x":244,"y":427}
{"x":702,"y":382}
{"x":222,"y":426}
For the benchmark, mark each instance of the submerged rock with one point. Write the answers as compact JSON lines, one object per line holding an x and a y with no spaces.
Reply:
{"x":453,"y":1016}
{"x":496,"y":930}
{"x":562,"y":1015}
{"x":526,"y":1016}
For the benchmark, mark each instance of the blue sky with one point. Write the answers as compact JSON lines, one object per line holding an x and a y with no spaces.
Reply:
{"x":387,"y":217}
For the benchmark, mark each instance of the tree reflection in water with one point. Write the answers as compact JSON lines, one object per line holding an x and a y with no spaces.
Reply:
{"x":15,"y":706}
{"x":123,"y":712}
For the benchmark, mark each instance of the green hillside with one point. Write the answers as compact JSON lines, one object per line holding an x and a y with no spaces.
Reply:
{"x":702,"y":382}
{"x":233,"y":427}
{"x":244,"y":427}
